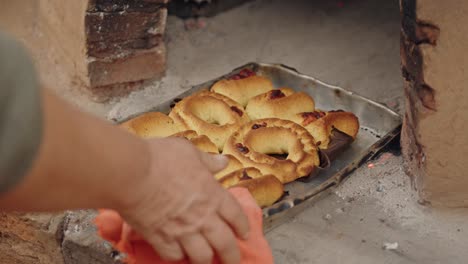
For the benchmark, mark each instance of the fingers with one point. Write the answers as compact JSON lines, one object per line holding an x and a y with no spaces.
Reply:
{"x":223,"y":241}
{"x":213,"y":162}
{"x":231,"y":212}
{"x":197,"y":249}
{"x":168,"y":250}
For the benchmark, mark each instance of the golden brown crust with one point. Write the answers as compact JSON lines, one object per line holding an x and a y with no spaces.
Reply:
{"x":215,"y":122}
{"x":282,"y":103}
{"x":152,"y":124}
{"x":320,"y":124}
{"x":210,"y":114}
{"x":236,"y":176}
{"x":266,"y":190}
{"x":156,"y":124}
{"x":202,"y":142}
{"x":252,"y":143}
{"x":243,"y":89}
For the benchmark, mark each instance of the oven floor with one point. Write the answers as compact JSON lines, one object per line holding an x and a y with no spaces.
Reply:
{"x":373,"y":207}
{"x":354,"y":44}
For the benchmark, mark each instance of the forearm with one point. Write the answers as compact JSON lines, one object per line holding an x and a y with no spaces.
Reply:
{"x":82,"y":162}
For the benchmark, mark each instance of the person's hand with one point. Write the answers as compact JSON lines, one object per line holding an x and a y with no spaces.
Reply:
{"x":181,"y":210}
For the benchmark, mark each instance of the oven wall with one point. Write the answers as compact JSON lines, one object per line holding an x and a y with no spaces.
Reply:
{"x":102,"y":48}
{"x":434,"y":66}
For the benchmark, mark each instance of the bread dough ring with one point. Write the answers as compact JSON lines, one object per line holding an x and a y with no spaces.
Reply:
{"x":151,"y":124}
{"x":210,"y":114}
{"x":159,"y":125}
{"x":243,"y":88}
{"x":252,"y":143}
{"x":320,"y":124}
{"x":266,"y":189}
{"x":281,"y":103}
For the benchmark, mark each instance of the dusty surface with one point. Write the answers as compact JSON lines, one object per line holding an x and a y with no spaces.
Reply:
{"x":353,"y":44}
{"x":375,"y":206}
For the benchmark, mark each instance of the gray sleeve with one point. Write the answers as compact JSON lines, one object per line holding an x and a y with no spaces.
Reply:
{"x":20,"y":115}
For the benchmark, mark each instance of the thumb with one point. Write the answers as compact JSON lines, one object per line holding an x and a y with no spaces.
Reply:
{"x":214,"y":162}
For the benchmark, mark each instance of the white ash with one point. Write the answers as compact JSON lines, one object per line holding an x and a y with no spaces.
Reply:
{"x":327,"y":217}
{"x":390,"y":246}
{"x":144,"y":100}
{"x":339,"y":210}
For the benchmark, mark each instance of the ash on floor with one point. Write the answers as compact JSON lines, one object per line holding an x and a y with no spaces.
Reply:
{"x":373,"y":217}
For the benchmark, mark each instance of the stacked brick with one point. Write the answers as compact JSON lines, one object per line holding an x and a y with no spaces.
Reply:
{"x":124,"y":41}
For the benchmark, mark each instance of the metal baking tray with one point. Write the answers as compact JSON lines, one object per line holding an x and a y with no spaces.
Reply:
{"x":379,"y":125}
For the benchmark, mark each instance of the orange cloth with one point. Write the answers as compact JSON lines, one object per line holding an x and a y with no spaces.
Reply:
{"x":253,"y":250}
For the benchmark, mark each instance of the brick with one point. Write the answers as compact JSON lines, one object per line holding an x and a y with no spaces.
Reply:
{"x":125,"y":5}
{"x":105,"y":93}
{"x":139,"y":65}
{"x":104,"y":49}
{"x":112,"y":34}
{"x":121,"y":26}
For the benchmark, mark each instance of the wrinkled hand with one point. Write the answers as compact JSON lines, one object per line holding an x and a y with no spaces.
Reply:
{"x":181,"y":210}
